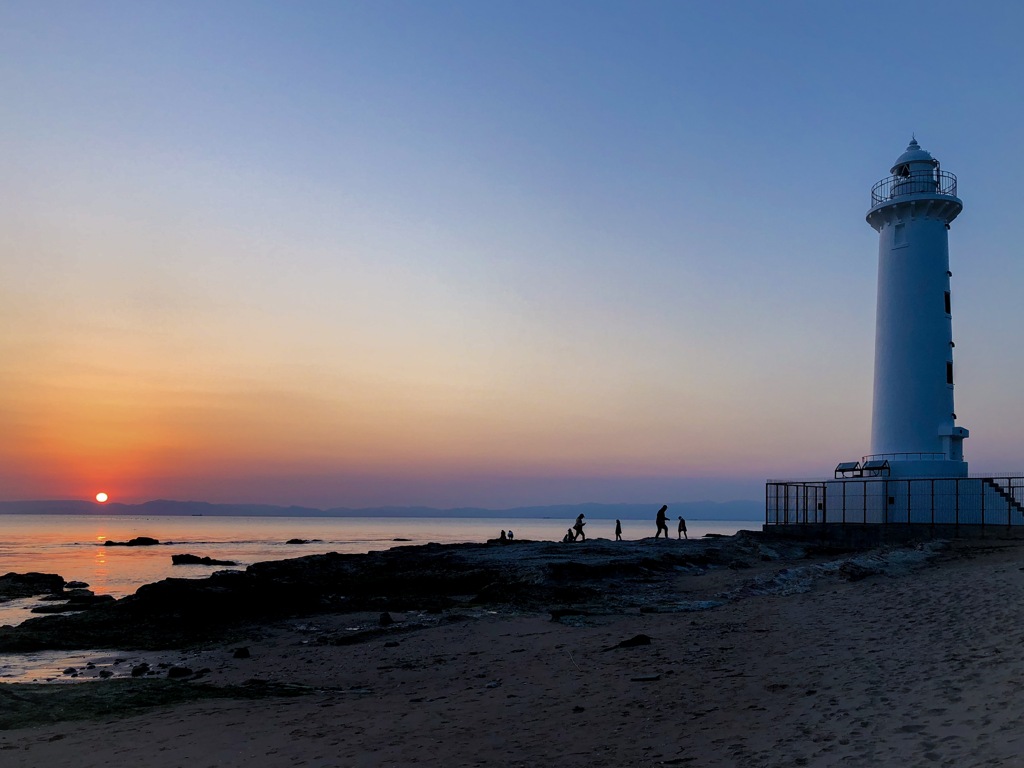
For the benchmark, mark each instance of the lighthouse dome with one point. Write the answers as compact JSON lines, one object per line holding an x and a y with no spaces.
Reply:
{"x":913,"y":158}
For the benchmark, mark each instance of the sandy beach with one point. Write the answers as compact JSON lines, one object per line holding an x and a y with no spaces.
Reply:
{"x":917,"y":666}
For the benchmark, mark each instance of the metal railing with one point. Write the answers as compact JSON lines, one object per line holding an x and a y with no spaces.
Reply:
{"x":906,"y":456}
{"x":916,"y":183}
{"x":975,"y":501}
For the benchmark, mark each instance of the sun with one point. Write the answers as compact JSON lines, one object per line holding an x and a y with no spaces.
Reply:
{"x":101,"y":497}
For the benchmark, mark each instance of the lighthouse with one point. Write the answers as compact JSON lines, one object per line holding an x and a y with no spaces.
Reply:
{"x":914,"y":484}
{"x":913,"y":424}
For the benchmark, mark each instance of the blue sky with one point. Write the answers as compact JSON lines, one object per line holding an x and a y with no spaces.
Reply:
{"x":481,"y":253}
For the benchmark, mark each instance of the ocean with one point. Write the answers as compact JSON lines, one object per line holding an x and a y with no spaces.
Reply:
{"x":73,"y":545}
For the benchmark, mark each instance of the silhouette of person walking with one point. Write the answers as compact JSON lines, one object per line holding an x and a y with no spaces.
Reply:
{"x":682,"y":528}
{"x":618,"y":530}
{"x":660,"y":520}
{"x":578,"y":527}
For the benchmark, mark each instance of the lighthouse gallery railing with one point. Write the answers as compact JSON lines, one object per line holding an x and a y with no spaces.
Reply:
{"x":915,"y":183}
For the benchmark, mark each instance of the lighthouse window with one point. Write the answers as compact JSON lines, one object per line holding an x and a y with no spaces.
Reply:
{"x":949,"y":373}
{"x":949,"y":308}
{"x":899,"y":235}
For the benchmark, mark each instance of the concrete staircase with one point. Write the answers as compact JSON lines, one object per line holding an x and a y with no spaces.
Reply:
{"x":1005,"y":494}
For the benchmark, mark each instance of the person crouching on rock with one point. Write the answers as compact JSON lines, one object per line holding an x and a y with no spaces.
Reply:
{"x":569,"y":536}
{"x":578,"y":527}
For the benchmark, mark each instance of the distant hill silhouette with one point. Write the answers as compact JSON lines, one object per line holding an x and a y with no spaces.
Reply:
{"x":695,"y":510}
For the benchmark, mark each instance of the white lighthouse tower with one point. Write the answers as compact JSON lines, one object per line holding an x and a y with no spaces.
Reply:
{"x":913,"y":421}
{"x":914,"y":484}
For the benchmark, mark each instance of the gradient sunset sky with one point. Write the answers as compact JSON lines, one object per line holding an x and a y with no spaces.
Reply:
{"x":482,"y":253}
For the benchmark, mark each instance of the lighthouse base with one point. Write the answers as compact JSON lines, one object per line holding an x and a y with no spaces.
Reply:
{"x":846,"y":537}
{"x":938,"y":500}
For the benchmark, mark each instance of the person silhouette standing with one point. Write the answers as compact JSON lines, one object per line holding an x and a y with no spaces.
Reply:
{"x":578,"y":527}
{"x":682,"y":528}
{"x":660,"y":520}
{"x":618,"y":530}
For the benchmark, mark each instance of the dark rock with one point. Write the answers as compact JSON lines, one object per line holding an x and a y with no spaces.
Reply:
{"x":138,"y":541}
{"x":55,"y":608}
{"x":385,"y":619}
{"x":297,"y":541}
{"x":851,"y":571}
{"x":645,"y":678}
{"x":17,"y":585}
{"x":70,"y":671}
{"x":140,"y":669}
{"x":634,"y":641}
{"x":399,"y":538}
{"x":105,"y":673}
{"x":75,"y":602}
{"x":76,"y":585}
{"x":68,"y":594}
{"x":89,"y":600}
{"x":187,"y":559}
{"x":176,"y":673}
{"x":240,"y":653}
{"x":391,"y":644}
{"x":558,"y":613}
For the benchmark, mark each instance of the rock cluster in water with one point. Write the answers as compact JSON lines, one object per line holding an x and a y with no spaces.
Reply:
{"x":138,"y":541}
{"x":58,"y":596}
{"x":197,"y":560}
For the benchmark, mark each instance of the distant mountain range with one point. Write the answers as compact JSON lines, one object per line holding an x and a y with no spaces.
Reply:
{"x":696,"y":510}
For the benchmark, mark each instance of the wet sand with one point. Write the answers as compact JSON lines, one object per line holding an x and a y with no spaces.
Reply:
{"x":918,"y":667}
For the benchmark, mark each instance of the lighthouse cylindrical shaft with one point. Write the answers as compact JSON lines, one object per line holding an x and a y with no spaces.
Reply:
{"x":913,"y":419}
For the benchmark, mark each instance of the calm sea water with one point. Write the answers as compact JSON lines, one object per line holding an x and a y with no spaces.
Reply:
{"x":72,"y":546}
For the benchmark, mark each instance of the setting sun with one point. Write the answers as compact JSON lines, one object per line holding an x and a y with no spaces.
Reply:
{"x":101,"y":497}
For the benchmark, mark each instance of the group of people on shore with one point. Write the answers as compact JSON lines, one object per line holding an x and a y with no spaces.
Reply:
{"x":576,"y":532}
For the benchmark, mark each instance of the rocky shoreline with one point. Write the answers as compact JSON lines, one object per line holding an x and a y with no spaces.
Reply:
{"x":455,"y":641}
{"x":563,"y":579}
